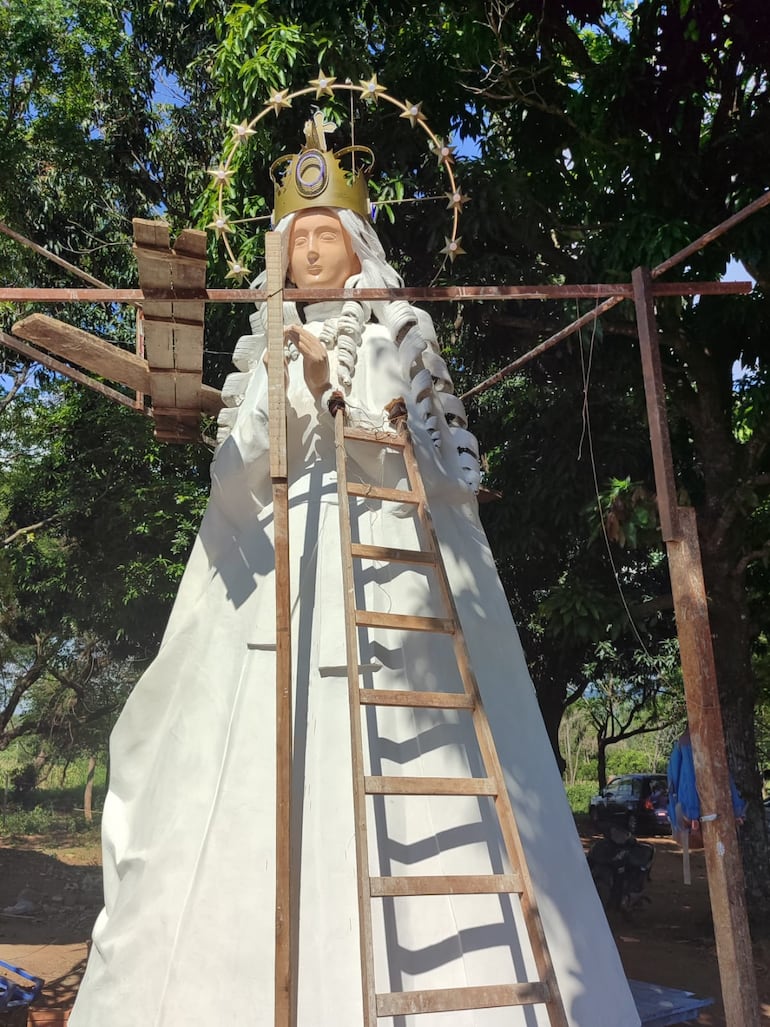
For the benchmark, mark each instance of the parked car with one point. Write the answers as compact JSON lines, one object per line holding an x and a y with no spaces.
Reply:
{"x":637,"y":801}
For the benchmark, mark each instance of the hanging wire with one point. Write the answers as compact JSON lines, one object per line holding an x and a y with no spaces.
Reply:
{"x":587,"y":435}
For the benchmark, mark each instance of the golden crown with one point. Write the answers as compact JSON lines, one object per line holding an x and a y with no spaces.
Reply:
{"x":316,"y":177}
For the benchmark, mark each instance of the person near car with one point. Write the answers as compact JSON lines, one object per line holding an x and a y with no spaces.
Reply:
{"x":683,"y":801}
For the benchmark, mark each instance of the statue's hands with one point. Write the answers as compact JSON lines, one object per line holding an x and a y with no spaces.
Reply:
{"x":315,"y":360}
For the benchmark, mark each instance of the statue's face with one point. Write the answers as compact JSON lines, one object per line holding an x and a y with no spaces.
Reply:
{"x":320,"y":252}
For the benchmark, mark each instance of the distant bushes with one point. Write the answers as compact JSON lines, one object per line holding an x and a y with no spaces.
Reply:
{"x":579,"y":794}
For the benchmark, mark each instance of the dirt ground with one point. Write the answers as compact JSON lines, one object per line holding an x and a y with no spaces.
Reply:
{"x":56,"y":889}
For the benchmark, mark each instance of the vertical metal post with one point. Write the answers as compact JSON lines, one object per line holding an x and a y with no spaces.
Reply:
{"x":284,"y":1012}
{"x":723,"y":858}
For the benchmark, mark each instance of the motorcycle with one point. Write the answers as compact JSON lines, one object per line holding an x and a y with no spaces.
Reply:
{"x":620,"y":867}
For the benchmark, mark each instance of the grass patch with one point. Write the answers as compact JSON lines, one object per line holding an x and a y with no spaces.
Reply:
{"x":42,"y":820}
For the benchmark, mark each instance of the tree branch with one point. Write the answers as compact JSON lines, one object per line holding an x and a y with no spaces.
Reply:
{"x":755,"y":554}
{"x":26,"y":531}
{"x":19,"y":378}
{"x":24,"y":682}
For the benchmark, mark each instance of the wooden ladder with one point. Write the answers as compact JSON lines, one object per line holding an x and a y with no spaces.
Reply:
{"x":545,"y":991}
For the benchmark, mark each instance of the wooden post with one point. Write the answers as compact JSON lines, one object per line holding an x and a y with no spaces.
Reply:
{"x":284,"y":1013}
{"x":723,"y":858}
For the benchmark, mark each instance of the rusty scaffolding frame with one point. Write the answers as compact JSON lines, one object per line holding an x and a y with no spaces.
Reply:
{"x":678,"y":524}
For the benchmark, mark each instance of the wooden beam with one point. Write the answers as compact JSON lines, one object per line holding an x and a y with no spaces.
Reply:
{"x":656,"y":404}
{"x":86,"y":350}
{"x":722,"y":851}
{"x":105,"y":359}
{"x":69,"y":372}
{"x":173,"y":326}
{"x":285,"y":953}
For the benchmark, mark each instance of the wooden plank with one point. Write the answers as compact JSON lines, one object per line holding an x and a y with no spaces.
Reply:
{"x":377,"y":438}
{"x":384,"y":553}
{"x":403,"y":622}
{"x":656,"y":404}
{"x":446,"y":1000}
{"x":189,"y":273}
{"x":163,"y":393}
{"x":159,"y":342}
{"x":211,"y":400}
{"x":191,"y":242}
{"x":151,"y":232}
{"x":48,"y":1017}
{"x":724,"y":865}
{"x":285,"y":971}
{"x":69,"y":372}
{"x":86,"y":350}
{"x":356,"y":488}
{"x":180,"y":261}
{"x":173,"y":327}
{"x":119,"y":365}
{"x":464,"y":884}
{"x":366,"y":940}
{"x":430,"y":786}
{"x":188,"y":346}
{"x":430,"y":700}
{"x":188,"y":392}
{"x":276,"y":393}
{"x":284,"y":899}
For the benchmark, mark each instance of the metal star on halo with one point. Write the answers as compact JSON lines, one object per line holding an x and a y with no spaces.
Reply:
{"x":237,"y":271}
{"x":220,"y":225}
{"x":445,"y":152}
{"x":278,"y":101}
{"x":456,"y":200}
{"x":413,"y":112}
{"x":371,"y":90}
{"x":453,"y":249}
{"x":242,"y":131}
{"x":323,"y":84}
{"x":221,"y":175}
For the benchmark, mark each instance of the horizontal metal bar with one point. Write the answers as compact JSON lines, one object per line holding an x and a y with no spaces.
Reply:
{"x":446,"y":294}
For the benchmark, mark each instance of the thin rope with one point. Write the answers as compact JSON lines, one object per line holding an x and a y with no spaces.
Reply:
{"x":587,"y":434}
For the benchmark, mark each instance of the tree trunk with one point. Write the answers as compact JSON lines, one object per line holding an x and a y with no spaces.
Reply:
{"x":88,"y":794}
{"x":601,"y":762}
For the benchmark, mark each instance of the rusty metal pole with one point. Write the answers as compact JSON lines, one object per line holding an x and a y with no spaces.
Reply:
{"x":678,"y":525}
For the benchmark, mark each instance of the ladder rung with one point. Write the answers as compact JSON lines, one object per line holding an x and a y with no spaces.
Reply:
{"x":429,"y":786}
{"x":401,"y":1003}
{"x":378,"y":438}
{"x":466,"y":884}
{"x":357,"y":488}
{"x":364,"y":552}
{"x":434,"y":700}
{"x":406,"y":622}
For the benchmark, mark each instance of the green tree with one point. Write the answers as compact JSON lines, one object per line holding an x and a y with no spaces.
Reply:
{"x":610,"y":134}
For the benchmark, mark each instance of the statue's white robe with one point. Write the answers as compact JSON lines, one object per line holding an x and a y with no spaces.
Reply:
{"x":186,"y":937}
